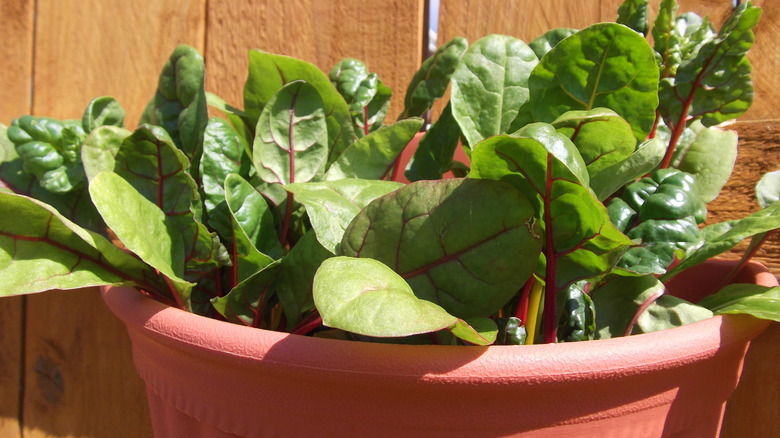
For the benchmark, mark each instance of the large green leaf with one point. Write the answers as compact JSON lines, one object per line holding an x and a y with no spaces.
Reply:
{"x":291,"y":138}
{"x":490,"y":84}
{"x":709,"y":154}
{"x":466,"y":245}
{"x":605,"y":65}
{"x":373,"y":156}
{"x":41,"y":250}
{"x":332,"y":205}
{"x":752,"y":299}
{"x":134,"y":219}
{"x":268,"y":73}
{"x":224,"y":152}
{"x":150,"y":162}
{"x":432,"y":79}
{"x":179,"y":105}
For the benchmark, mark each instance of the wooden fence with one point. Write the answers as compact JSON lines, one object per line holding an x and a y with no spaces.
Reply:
{"x":65,"y":363}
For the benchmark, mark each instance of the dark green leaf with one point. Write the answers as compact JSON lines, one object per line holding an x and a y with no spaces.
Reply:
{"x":296,"y":274}
{"x":436,"y":149}
{"x":433,"y":78}
{"x":545,"y":42}
{"x":634,"y":14}
{"x":577,"y":315}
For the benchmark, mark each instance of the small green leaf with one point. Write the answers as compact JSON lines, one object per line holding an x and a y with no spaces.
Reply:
{"x":477,"y":331}
{"x":577,"y":315}
{"x":634,"y":14}
{"x":490,"y":85}
{"x":373,"y":156}
{"x":366,"y":297}
{"x":768,"y":189}
{"x":103,"y":111}
{"x":545,"y":42}
{"x":100,"y":147}
{"x":291,"y":142}
{"x":332,"y":205}
{"x":432,"y":79}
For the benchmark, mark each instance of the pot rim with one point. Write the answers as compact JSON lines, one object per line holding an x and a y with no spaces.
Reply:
{"x":175,"y":328}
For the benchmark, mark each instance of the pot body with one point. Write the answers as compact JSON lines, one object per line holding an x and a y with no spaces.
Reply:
{"x":207,"y":378}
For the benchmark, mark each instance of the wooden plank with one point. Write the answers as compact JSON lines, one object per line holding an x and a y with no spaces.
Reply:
{"x":80,"y":377}
{"x":387,"y":36}
{"x":16,"y":33}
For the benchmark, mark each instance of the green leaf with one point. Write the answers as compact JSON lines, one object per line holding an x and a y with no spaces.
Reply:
{"x":634,"y":14}
{"x":605,"y":65}
{"x":103,"y":111}
{"x":42,"y":250}
{"x":490,"y":84}
{"x":220,"y":104}
{"x":365,"y":94}
{"x":721,"y":237}
{"x":332,"y":205}
{"x":714,"y":85}
{"x":133,"y":219}
{"x":434,"y":154}
{"x":709,"y":155}
{"x":179,"y":105}
{"x":477,"y":331}
{"x":466,"y":245}
{"x":601,"y":136}
{"x":545,"y":42}
{"x":150,"y":162}
{"x":291,"y":142}
{"x":247,"y":302}
{"x":373,"y":156}
{"x":432,"y":79}
{"x":620,"y":298}
{"x":577,"y":315}
{"x":296,"y":274}
{"x":224,"y":152}
{"x":677,"y":39}
{"x":645,"y":158}
{"x":759,"y":301}
{"x":546,"y":167}
{"x":252,"y":226}
{"x":768,"y":189}
{"x":364,"y":296}
{"x":268,"y":73}
{"x":100,"y":147}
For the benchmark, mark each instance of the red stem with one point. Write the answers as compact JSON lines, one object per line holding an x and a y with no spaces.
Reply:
{"x":521,"y":311}
{"x":653,"y":298}
{"x":309,"y":323}
{"x":549,"y":323}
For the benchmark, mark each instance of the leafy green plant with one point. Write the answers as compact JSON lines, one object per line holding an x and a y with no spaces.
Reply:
{"x":591,"y":158}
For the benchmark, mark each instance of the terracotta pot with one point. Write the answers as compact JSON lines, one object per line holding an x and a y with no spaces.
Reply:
{"x":207,"y":378}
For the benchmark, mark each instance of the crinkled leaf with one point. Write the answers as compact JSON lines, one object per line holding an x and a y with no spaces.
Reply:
{"x":721,"y":237}
{"x":634,"y":14}
{"x":348,"y":75}
{"x":268,"y":73}
{"x":434,"y":154}
{"x":296,"y":273}
{"x":103,"y":111}
{"x":291,"y":142}
{"x":546,"y":167}
{"x":432,"y":79}
{"x":511,"y":331}
{"x":645,"y":158}
{"x":714,"y":85}
{"x":224,"y":152}
{"x":375,"y":111}
{"x":150,"y":162}
{"x":133,"y":218}
{"x":466,"y":245}
{"x":760,"y":301}
{"x":577,"y":315}
{"x":490,"y":84}
{"x":42,"y":250}
{"x":677,"y":39}
{"x":100,"y":147}
{"x":254,"y":237}
{"x":545,"y":42}
{"x":332,"y":205}
{"x":373,"y":156}
{"x":605,"y":65}
{"x":768,"y":189}
{"x":619,"y":299}
{"x":601,"y":136}
{"x":179,"y":105}
{"x":709,"y":154}
{"x":366,"y":297}
{"x":51,"y":150}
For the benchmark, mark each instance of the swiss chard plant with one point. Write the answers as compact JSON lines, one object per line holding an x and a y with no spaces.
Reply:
{"x":592,"y":155}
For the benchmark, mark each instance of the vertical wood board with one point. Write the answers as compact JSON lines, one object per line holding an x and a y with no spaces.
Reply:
{"x":386,"y":36}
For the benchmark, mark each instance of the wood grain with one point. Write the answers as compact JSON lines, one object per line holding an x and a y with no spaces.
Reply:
{"x":80,"y":378}
{"x":16,"y":34}
{"x":386,"y":35}
{"x":90,"y":48}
